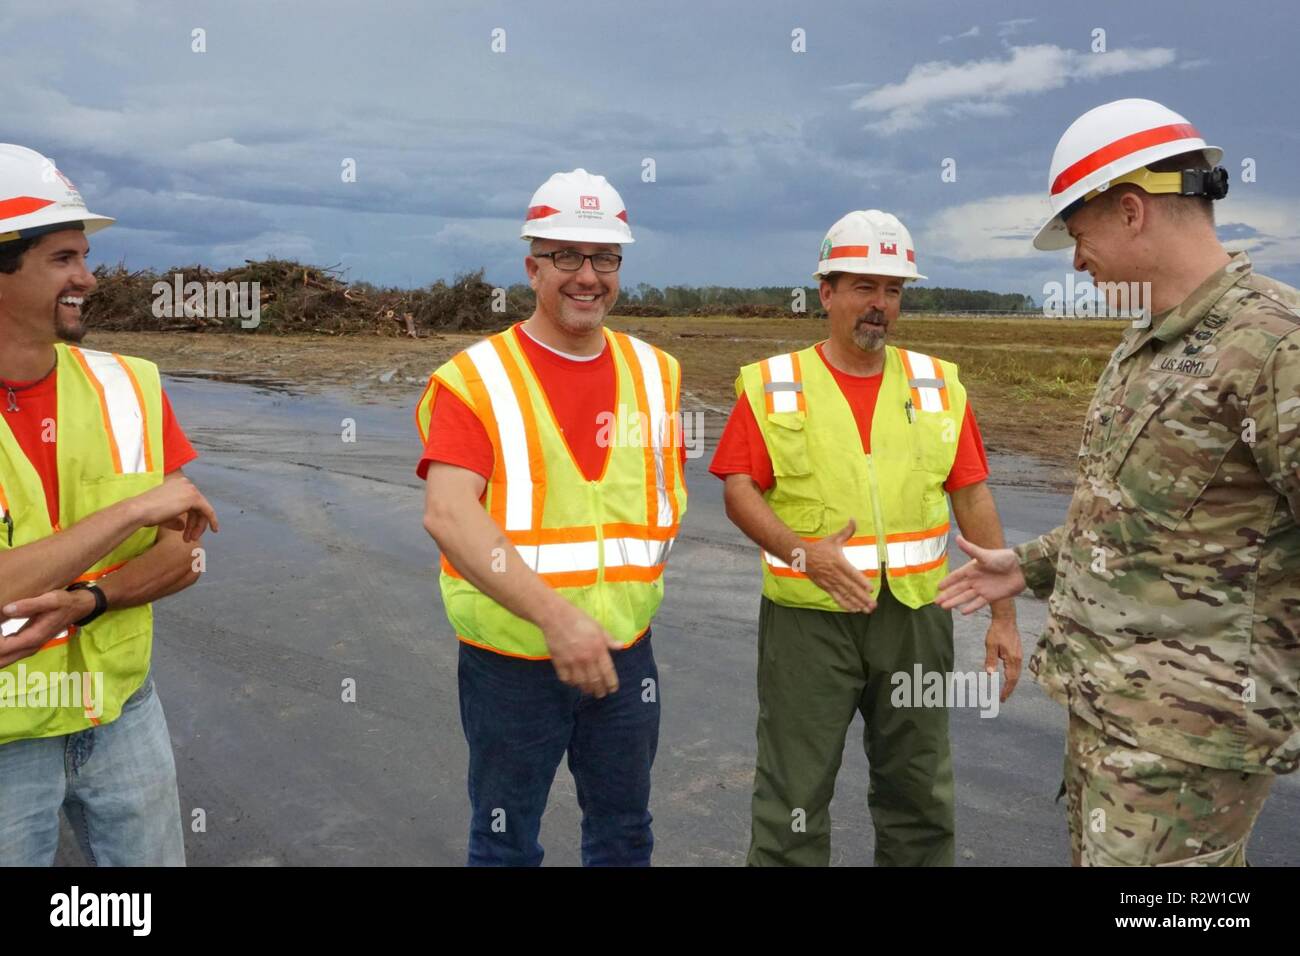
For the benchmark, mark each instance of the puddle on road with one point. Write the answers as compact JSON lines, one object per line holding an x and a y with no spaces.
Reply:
{"x":232,"y":404}
{"x":240,"y":378}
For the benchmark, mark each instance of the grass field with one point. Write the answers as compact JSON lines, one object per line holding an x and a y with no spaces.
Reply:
{"x":1029,"y":380}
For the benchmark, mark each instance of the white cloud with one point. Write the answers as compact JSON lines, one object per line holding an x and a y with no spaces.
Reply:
{"x":986,"y":108}
{"x":1275,"y":223}
{"x":1001,"y":227}
{"x":1092,"y":66}
{"x":1026,"y":71}
{"x":1008,"y":28}
{"x":972,"y":32}
{"x":502,"y":234}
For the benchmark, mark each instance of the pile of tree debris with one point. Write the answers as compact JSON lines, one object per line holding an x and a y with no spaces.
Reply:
{"x":280,"y":296}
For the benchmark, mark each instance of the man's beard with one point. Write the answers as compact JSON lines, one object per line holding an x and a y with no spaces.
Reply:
{"x":580,"y":323}
{"x":869,"y":338}
{"x":73,"y":331}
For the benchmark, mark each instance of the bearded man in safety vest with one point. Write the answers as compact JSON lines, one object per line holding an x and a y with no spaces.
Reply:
{"x":90,"y":449}
{"x":836,"y":461}
{"x":553,"y":463}
{"x":1173,"y":638}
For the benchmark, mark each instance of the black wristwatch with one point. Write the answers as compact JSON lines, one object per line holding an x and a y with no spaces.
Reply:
{"x":101,"y":602}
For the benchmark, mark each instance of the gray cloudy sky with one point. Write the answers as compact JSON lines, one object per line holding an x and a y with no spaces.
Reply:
{"x":236,"y":153}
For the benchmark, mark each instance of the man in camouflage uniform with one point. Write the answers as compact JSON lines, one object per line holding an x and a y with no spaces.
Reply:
{"x":1174,"y":629}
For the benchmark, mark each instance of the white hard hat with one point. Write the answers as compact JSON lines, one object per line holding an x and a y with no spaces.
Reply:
{"x":35,"y":196}
{"x":868,"y":242}
{"x":577,"y":207}
{"x":1107,"y":143}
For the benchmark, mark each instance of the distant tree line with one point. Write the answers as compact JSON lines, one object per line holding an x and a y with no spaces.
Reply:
{"x":681,"y":299}
{"x":288,"y":296}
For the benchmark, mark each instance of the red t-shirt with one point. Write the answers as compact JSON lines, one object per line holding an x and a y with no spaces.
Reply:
{"x":742,"y":451}
{"x":580,"y":394}
{"x":40,"y":402}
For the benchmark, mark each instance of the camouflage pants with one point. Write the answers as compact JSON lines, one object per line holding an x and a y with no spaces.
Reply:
{"x":1131,"y":807}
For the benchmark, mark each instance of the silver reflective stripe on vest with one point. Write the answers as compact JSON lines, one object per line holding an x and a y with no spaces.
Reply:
{"x":900,"y":554}
{"x":780,"y":370}
{"x":559,"y":558}
{"x":927,"y":381}
{"x":911,"y":554}
{"x":514,"y":439}
{"x":125,"y":416}
{"x":654,"y":393}
{"x":636,"y":552}
{"x":863,"y":557}
{"x":582,"y":555}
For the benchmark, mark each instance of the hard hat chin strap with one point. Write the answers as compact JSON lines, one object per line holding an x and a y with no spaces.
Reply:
{"x":1210,"y":183}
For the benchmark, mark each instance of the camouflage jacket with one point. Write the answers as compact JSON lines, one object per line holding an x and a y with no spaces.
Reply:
{"x":1174,"y":611}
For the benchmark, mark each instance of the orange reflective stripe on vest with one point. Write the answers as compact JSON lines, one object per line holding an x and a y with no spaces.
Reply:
{"x":122,"y":406}
{"x":907,"y":553}
{"x":782,"y":384}
{"x":655,"y":404}
{"x":928,"y":391}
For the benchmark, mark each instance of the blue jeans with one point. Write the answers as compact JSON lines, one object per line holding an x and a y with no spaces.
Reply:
{"x":520,"y":720}
{"x":116,"y":783}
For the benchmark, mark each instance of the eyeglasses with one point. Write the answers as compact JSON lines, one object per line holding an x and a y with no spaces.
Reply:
{"x":567,"y":260}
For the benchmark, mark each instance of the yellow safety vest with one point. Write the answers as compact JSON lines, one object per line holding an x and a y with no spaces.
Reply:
{"x":601,"y":544}
{"x":109,"y":447}
{"x":822,"y":477}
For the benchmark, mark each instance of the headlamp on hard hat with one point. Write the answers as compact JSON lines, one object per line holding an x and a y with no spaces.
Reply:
{"x":1210,"y":183}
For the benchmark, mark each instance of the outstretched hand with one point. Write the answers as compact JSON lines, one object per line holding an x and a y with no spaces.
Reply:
{"x":990,"y":575}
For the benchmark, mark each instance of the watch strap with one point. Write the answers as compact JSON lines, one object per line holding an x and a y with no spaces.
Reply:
{"x":101,"y":602}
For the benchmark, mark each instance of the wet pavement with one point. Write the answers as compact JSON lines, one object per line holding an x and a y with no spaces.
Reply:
{"x":323,"y":574}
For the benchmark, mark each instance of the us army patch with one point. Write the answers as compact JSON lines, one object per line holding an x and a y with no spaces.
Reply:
{"x":1197,"y":368}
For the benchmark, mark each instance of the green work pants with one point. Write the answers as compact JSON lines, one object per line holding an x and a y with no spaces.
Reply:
{"x":815,"y":669}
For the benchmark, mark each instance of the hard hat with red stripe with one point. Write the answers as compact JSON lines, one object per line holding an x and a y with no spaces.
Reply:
{"x":868,"y":242}
{"x":577,"y":207}
{"x":35,"y":198}
{"x":1114,"y":143}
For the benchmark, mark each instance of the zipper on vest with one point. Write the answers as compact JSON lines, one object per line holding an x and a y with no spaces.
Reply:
{"x":881,"y":551}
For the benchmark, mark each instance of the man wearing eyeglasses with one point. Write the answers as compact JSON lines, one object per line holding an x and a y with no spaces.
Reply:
{"x":554,"y":489}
